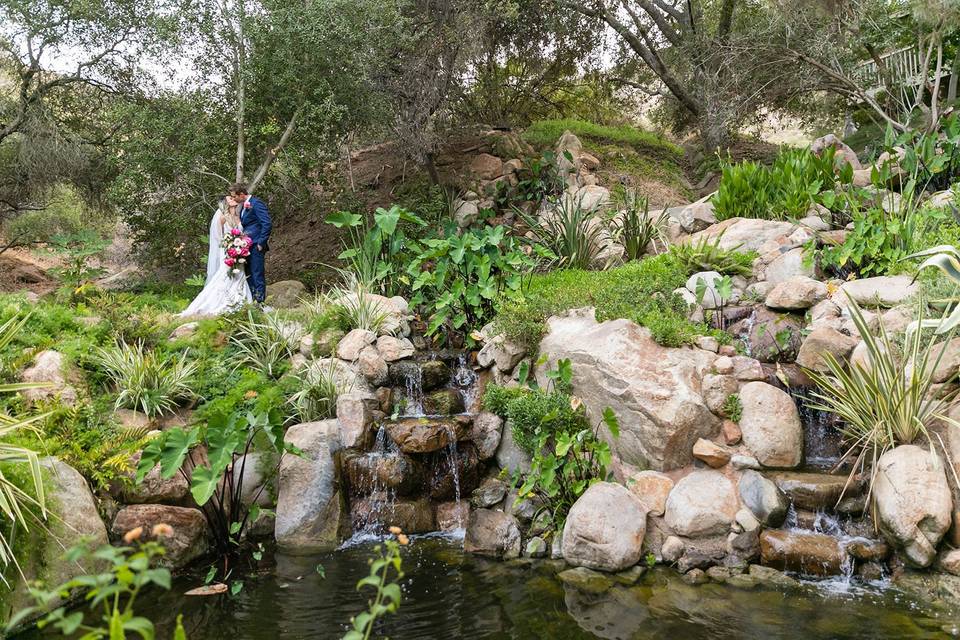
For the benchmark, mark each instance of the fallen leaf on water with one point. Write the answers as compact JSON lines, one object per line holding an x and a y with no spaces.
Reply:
{"x":208,"y":590}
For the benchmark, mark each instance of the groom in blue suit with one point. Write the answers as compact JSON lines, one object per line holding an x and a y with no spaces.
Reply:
{"x":257,"y":224}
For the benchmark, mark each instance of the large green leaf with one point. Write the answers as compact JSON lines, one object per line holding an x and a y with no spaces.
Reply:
{"x":176,"y":446}
{"x":387,"y":219}
{"x":204,"y":483}
{"x":342,"y":219}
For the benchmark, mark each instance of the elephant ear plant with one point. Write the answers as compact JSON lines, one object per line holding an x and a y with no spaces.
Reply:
{"x":217,"y":482}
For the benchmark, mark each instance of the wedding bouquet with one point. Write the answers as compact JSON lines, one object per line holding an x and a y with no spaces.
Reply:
{"x":237,"y":246}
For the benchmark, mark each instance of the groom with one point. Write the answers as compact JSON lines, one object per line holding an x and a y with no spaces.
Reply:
{"x":257,"y":224}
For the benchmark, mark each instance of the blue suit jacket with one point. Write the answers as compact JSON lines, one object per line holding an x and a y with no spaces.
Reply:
{"x":256,"y":222}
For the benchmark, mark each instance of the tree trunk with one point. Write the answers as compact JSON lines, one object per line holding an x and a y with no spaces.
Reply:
{"x":431,"y":168}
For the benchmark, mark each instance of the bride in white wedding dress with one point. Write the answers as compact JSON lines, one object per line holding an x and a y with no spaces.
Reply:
{"x":223,"y":291}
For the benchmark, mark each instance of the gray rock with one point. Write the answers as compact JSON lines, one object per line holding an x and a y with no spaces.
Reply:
{"x":310,"y":514}
{"x":48,"y":369}
{"x":788,"y":265}
{"x":821,"y":341}
{"x":605,"y":528}
{"x":490,"y":493}
{"x":654,"y":390}
{"x":763,"y":498}
{"x":672,"y":549}
{"x":796,"y":294}
{"x":881,"y":291}
{"x":285,"y":294}
{"x":486,"y":434}
{"x":392,"y":349}
{"x":509,"y":454}
{"x":771,"y":425}
{"x":492,"y":533}
{"x":536,"y":547}
{"x":585,"y":579}
{"x":500,"y":352}
{"x":702,"y":504}
{"x":913,"y":502}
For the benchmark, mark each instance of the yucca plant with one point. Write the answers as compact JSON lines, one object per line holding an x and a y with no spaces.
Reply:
{"x":260,"y":345}
{"x":706,"y":254}
{"x":354,"y":307}
{"x":147,"y":380}
{"x":569,"y":235}
{"x":317,"y":392}
{"x":18,"y":507}
{"x":946,"y":258}
{"x":889,"y":402}
{"x":635,"y":228}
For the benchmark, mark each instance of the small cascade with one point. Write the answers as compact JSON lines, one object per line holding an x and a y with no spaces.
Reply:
{"x":376,"y":495}
{"x":411,"y":400}
{"x":822,"y":441}
{"x":453,"y":464}
{"x":747,"y":331}
{"x":465,"y":381}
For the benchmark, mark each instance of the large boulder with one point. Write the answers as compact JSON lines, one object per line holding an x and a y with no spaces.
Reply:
{"x":604,"y":529}
{"x":48,"y":369}
{"x":509,"y":455}
{"x":913,"y":502}
{"x":796,"y":294}
{"x":747,"y":234}
{"x":285,"y":294}
{"x":821,"y":341}
{"x":75,"y":516}
{"x":702,"y":504}
{"x":492,"y":533}
{"x":654,"y":390}
{"x":189,"y":539}
{"x":485,"y":434}
{"x":770,"y":424}
{"x":310,"y":512}
{"x":788,"y":265}
{"x":881,"y":291}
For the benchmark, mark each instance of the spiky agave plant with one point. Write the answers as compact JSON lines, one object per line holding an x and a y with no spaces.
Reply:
{"x":147,"y":380}
{"x":18,"y":507}
{"x":635,"y":228}
{"x":354,"y":306}
{"x":569,"y":235}
{"x":887,"y":402}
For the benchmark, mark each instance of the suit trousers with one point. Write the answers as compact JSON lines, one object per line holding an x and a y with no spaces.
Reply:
{"x":256,"y":276}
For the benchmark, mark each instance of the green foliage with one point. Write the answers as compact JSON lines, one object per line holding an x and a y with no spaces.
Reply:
{"x":377,"y":250}
{"x":707,"y":255}
{"x":153,"y":382}
{"x":76,"y":251}
{"x":785,"y":190}
{"x":933,"y":159}
{"x":946,"y":258}
{"x":732,"y":407}
{"x":567,"y":455}
{"x":545,"y":133}
{"x":891,"y":400}
{"x":216,"y":483}
{"x":428,"y":201}
{"x":883,"y":235}
{"x":569,"y":235}
{"x":63,"y":215}
{"x":459,"y":277}
{"x":635,"y":229}
{"x":113,"y":592}
{"x":260,"y":343}
{"x":316,"y":391}
{"x":639,"y":291}
{"x":537,"y":180}
{"x":387,"y":593}
{"x":532,"y":412}
{"x":17,"y":503}
{"x":350,"y":306}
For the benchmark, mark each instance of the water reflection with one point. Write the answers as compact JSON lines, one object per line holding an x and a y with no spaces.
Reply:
{"x":449,"y":595}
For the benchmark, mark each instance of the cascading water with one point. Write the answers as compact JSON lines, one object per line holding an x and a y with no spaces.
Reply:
{"x":465,"y":381}
{"x":411,"y":402}
{"x":378,"y":498}
{"x":453,"y":462}
{"x":822,"y":442}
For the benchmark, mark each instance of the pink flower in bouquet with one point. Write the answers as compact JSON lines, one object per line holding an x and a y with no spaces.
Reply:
{"x":230,"y":262}
{"x":232,"y":252}
{"x":249,"y":241}
{"x":235,"y":232}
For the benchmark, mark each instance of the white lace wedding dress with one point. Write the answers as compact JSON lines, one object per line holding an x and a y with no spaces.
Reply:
{"x":223,"y":291}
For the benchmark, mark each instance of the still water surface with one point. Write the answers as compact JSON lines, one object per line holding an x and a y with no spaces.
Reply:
{"x":450,"y":595}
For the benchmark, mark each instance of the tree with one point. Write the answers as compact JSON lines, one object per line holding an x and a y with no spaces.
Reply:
{"x":701,"y":54}
{"x":842,"y":48}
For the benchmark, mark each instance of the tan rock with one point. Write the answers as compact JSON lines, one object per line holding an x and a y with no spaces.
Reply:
{"x":652,"y":487}
{"x":711,"y":453}
{"x":605,"y":528}
{"x":703,"y":503}
{"x":771,"y":425}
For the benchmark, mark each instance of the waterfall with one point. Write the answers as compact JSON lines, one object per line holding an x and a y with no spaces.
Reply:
{"x":465,"y":380}
{"x":747,"y":332}
{"x":453,"y":460}
{"x":412,"y":401}
{"x":375,"y":498}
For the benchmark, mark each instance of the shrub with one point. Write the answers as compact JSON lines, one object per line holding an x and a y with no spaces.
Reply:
{"x":315,"y":397}
{"x":260,"y":344}
{"x":350,"y":306}
{"x":459,"y":277}
{"x":707,"y":255}
{"x":745,"y":191}
{"x":889,"y":402}
{"x":635,"y":228}
{"x":732,"y":407}
{"x":153,"y":382}
{"x":640,"y":291}
{"x":946,"y":258}
{"x":532,"y":412}
{"x":569,"y":235}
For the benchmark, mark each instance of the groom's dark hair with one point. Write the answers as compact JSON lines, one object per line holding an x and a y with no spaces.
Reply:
{"x":239,"y":187}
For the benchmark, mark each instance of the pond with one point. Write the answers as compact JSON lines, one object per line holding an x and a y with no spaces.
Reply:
{"x":448,"y":594}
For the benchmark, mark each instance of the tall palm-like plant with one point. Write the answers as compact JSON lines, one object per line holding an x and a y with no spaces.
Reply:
{"x":16,"y":504}
{"x":890,"y":400}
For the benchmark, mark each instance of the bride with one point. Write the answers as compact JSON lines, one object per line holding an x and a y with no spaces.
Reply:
{"x":223,"y":291}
